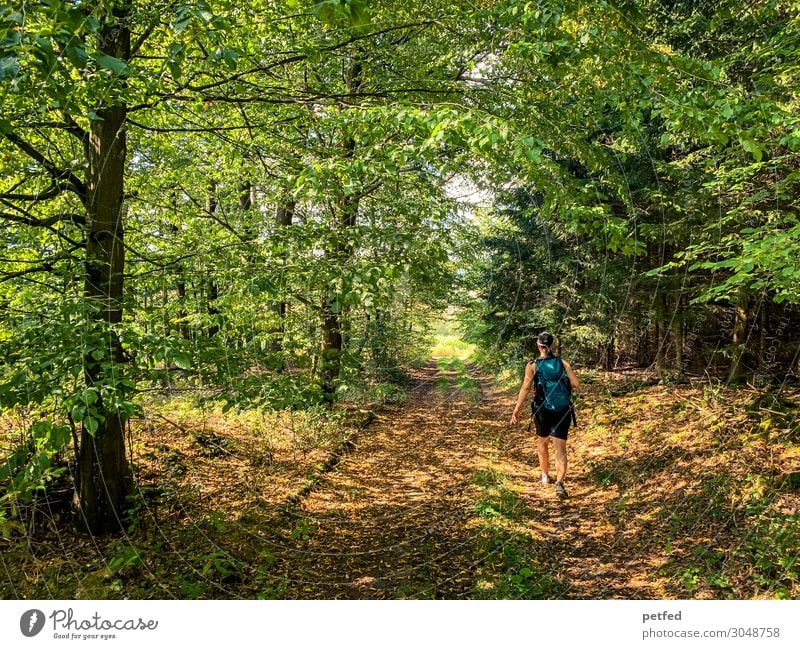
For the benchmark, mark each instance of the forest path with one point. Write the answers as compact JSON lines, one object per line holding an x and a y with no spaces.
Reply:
{"x":440,"y":499}
{"x":676,"y":492}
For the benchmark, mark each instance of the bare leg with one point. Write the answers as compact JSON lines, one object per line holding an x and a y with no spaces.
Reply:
{"x":560,"y":446}
{"x":544,"y":455}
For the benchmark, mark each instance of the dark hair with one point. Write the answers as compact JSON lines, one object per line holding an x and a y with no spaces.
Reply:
{"x":545,"y":339}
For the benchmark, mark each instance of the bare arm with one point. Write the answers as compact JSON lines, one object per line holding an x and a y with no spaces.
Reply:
{"x":527,"y":383}
{"x":573,"y":380}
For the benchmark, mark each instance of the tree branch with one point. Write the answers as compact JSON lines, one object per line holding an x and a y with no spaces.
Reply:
{"x":51,"y":192}
{"x":42,"y":268}
{"x":141,"y":40}
{"x":186,"y":129}
{"x":77,"y":219}
{"x":58,"y":174}
{"x":306,"y":301}
{"x":69,"y":125}
{"x":289,"y":58}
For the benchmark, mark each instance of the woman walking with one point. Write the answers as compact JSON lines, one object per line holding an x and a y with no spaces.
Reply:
{"x":552,"y":380}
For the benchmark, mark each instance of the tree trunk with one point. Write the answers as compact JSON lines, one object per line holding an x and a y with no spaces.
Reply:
{"x":212,"y":295}
{"x":183,"y":327}
{"x":346,"y":216}
{"x":180,"y":285}
{"x":739,"y":337}
{"x":331,"y":351}
{"x":677,"y":336}
{"x":661,"y":335}
{"x":245,"y":204}
{"x":763,"y":320}
{"x":104,"y":475}
{"x":607,"y":353}
{"x":212,"y":291}
{"x":331,"y":317}
{"x":643,"y":345}
{"x":284,"y":214}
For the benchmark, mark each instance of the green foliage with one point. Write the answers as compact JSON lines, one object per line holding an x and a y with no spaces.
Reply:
{"x":510,"y":566}
{"x":123,"y":560}
{"x":33,"y":466}
{"x":302,"y":530}
{"x":756,"y":259}
{"x":672,"y":176}
{"x":531,"y":279}
{"x":457,"y":375}
{"x":219,"y":565}
{"x":354,"y":12}
{"x":771,"y":550}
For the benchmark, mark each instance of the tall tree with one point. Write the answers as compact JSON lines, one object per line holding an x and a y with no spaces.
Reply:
{"x":103,"y":472}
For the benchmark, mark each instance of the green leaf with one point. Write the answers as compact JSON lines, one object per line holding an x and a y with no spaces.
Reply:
{"x":326,"y":10}
{"x":91,"y":424}
{"x":115,"y":65}
{"x":359,"y":16}
{"x":174,"y":69}
{"x":181,"y":24}
{"x":9,"y":67}
{"x":534,"y":154}
{"x":231,"y":58}
{"x":11,"y":41}
{"x":182,"y":360}
{"x":183,"y":18}
{"x":77,"y":56}
{"x":59,"y":437}
{"x":203,"y":12}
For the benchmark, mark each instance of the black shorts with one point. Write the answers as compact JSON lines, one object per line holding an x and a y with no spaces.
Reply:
{"x":552,"y":423}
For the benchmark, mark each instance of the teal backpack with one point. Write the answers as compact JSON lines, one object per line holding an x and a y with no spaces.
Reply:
{"x":552,"y":384}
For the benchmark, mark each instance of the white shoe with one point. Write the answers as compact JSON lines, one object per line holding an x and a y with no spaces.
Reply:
{"x":545,"y":479}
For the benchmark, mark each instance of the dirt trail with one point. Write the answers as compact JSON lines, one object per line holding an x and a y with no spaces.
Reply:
{"x":397,"y":517}
{"x":676,"y":492}
{"x":390,"y":520}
